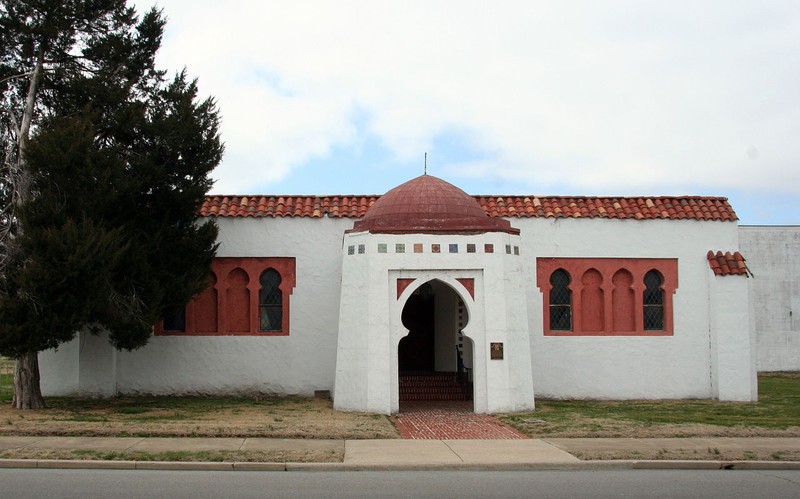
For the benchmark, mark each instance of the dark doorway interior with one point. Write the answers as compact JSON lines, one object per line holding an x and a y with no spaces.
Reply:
{"x":427,"y":358}
{"x":416,"y":351}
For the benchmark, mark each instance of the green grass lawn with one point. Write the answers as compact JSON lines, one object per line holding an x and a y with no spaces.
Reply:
{"x":777,"y":410}
{"x":6,"y":378}
{"x":777,"y":413}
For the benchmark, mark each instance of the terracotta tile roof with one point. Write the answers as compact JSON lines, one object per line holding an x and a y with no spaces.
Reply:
{"x":636,"y":208}
{"x":287,"y":206}
{"x":728,"y":263}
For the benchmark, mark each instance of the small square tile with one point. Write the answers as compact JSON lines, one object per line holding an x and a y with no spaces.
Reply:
{"x":417,"y":248}
{"x":399,"y":248}
{"x":454,"y":248}
{"x":361,"y":249}
{"x":470,"y":248}
{"x":381,"y":247}
{"x":351,"y":250}
{"x":488,"y":248}
{"x":436,"y":248}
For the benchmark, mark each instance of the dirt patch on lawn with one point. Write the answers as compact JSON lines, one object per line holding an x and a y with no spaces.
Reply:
{"x":274,"y":456}
{"x":279,"y":417}
{"x":610,"y":428}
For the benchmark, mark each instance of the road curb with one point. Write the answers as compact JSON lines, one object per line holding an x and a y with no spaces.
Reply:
{"x":311,"y":467}
{"x":251,"y":466}
{"x":18,"y":463}
{"x":183,"y":465}
{"x":77,"y":464}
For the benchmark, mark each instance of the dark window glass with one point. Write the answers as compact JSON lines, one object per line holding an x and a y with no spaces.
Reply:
{"x":175,"y":320}
{"x":270,"y":301}
{"x":560,"y":301}
{"x":653,"y":301}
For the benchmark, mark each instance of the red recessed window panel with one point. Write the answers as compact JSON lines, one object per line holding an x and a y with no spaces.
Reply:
{"x":607,"y":296}
{"x":236,"y":302}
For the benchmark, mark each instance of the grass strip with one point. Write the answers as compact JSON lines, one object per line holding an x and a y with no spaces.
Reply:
{"x":777,"y":413}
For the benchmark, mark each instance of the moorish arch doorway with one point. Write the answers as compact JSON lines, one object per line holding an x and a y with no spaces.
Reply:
{"x":434,"y":359}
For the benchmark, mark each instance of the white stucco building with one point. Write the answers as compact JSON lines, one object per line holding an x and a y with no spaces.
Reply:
{"x":380,"y":299}
{"x":773,"y":254}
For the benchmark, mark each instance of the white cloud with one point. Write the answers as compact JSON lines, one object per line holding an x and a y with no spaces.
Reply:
{"x":599,"y":96}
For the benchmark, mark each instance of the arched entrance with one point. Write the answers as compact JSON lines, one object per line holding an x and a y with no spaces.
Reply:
{"x":434,"y":359}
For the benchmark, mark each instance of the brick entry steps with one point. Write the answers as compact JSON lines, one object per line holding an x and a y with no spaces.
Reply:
{"x":433,"y":386}
{"x":452,"y":420}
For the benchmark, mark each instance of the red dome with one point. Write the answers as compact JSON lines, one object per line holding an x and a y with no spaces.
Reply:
{"x":428,"y":205}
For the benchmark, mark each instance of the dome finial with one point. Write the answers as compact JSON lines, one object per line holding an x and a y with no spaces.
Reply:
{"x":425,"y":168}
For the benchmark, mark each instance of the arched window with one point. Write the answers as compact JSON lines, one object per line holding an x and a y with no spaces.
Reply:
{"x":175,"y":320}
{"x":270,"y":301}
{"x":653,"y":301}
{"x":560,"y":301}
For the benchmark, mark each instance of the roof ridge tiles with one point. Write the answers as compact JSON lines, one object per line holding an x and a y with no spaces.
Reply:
{"x":515,"y":206}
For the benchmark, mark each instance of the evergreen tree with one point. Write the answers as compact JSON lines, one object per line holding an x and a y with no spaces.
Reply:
{"x":105,"y":165}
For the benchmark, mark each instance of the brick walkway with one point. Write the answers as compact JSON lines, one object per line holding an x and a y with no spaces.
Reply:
{"x":449,"y":420}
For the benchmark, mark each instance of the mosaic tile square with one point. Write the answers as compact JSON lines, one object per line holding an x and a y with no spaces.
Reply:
{"x":436,"y":248}
{"x":488,"y":248}
{"x":381,"y":247}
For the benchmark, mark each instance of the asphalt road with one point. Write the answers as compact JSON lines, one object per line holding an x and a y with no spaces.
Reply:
{"x":87,"y":484}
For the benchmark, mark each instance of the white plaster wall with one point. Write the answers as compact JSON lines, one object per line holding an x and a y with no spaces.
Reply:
{"x":351,"y":388}
{"x":97,"y":366}
{"x":733,"y":340}
{"x":59,"y":369}
{"x":624,"y":367}
{"x":299,"y":363}
{"x":85,"y":366}
{"x":773,"y":255}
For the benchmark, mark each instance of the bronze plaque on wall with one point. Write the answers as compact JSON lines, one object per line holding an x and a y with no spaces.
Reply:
{"x":496,"y":351}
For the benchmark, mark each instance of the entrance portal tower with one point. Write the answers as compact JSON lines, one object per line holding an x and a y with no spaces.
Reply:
{"x":427,"y":232}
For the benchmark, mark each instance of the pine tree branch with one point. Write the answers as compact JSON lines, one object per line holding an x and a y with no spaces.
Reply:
{"x":14,"y":77}
{"x":14,"y":121}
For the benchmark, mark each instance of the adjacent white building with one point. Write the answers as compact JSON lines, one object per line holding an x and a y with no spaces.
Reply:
{"x":375,"y":298}
{"x":773,"y":254}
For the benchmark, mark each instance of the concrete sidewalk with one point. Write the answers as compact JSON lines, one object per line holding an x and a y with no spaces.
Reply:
{"x":399,"y":454}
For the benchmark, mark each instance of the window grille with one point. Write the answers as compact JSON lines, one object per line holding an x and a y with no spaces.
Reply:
{"x":270,"y":301}
{"x":653,"y":301}
{"x":175,"y":319}
{"x":560,"y":301}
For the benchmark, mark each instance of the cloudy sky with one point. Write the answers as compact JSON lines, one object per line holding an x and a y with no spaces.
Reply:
{"x":563,"y":97}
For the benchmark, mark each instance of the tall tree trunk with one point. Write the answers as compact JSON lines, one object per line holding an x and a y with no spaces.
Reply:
{"x":27,"y":392}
